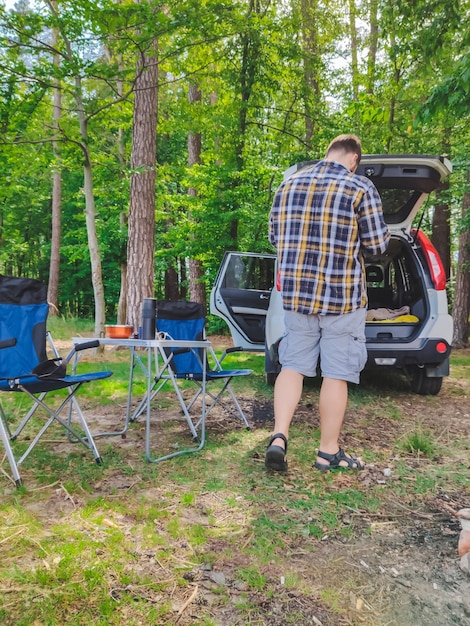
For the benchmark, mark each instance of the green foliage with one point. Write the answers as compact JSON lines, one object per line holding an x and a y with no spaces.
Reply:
{"x":265,"y":71}
{"x":452,"y":94}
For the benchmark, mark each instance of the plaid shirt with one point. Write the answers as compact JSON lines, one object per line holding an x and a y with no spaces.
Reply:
{"x":323,"y":220}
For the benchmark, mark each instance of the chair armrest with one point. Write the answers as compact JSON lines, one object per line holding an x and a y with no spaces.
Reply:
{"x":233,"y":349}
{"x":228,"y":351}
{"x":93,"y":343}
{"x":79,"y":347}
{"x":180,"y":350}
{"x":8,"y":343}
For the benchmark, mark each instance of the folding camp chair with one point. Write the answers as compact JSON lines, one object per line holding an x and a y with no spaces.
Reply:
{"x":183,"y":320}
{"x":25,"y":368}
{"x":5,"y":434}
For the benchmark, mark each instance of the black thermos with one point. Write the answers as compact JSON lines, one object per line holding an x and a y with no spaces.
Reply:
{"x":149,"y":318}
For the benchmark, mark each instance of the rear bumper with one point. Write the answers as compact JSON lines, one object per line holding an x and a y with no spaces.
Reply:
{"x":423,"y":353}
{"x":431,"y":353}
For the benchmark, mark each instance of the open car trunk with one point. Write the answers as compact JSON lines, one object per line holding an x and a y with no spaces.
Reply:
{"x":397,"y":306}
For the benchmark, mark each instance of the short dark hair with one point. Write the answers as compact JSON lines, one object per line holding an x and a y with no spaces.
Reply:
{"x":346,"y":144}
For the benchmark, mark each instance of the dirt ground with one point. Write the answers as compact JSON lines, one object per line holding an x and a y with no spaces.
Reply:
{"x":406,"y":571}
{"x":402,"y":569}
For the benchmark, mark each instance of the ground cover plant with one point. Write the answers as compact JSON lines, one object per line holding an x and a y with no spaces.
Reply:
{"x":214,"y":539}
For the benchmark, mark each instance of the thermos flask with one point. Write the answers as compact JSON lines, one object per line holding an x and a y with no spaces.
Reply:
{"x":149,"y":318}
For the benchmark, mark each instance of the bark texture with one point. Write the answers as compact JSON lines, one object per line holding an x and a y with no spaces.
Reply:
{"x":141,"y":237}
{"x":462,"y":283}
{"x":197,"y":288}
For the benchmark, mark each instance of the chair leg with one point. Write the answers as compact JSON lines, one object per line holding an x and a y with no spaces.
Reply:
{"x":5,"y":422}
{"x":216,"y":398}
{"x":8,"y":451}
{"x":87,"y":441}
{"x":28,"y":416}
{"x":239,"y":408}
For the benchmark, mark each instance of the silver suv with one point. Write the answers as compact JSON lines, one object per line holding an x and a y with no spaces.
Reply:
{"x":408,"y":327}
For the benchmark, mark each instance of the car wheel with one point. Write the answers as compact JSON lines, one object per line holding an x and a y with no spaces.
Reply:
{"x":425,"y":385}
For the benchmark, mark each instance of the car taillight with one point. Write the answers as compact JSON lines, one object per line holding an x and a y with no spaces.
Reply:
{"x":441,"y":347}
{"x":438,"y":275}
{"x":278,"y":280}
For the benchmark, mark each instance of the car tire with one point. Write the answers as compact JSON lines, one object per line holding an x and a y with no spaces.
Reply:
{"x":425,"y":385}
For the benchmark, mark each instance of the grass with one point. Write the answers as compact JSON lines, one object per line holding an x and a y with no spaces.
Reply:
{"x":132,"y":542}
{"x":63,"y":328}
{"x":419,"y":442}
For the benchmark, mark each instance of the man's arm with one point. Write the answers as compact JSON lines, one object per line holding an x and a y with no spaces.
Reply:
{"x":373,"y":231}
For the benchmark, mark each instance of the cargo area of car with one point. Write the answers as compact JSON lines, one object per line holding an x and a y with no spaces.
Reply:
{"x":397,"y":303}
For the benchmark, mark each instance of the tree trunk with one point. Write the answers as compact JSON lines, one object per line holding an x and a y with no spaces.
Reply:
{"x":197,"y":287}
{"x":172,"y":291}
{"x":141,"y":236}
{"x":196,"y":283}
{"x":441,"y":235}
{"x":354,"y":59}
{"x":90,"y":210}
{"x":311,"y":94}
{"x":441,"y":230}
{"x":90,"y":218}
{"x":54,"y":261}
{"x":94,"y":248}
{"x":461,"y":308}
{"x":373,"y":40}
{"x":250,"y":40}
{"x":122,"y":304}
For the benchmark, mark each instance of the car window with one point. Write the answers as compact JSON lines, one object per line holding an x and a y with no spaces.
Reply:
{"x":374,"y":276}
{"x":395,"y":200}
{"x":249,"y":272}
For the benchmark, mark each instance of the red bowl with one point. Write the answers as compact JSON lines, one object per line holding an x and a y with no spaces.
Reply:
{"x":118,"y":331}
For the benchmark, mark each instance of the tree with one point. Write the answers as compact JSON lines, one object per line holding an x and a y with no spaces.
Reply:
{"x":452,"y":96}
{"x":196,"y":271}
{"x":462,"y":283}
{"x":56,"y":227}
{"x":90,"y":208}
{"x":141,"y":237}
{"x":288,"y":77}
{"x":74,"y":30}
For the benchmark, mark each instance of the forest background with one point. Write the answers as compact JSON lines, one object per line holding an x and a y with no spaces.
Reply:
{"x":140,"y":140}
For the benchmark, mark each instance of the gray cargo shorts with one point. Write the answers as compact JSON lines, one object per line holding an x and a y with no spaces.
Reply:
{"x":337,"y":341}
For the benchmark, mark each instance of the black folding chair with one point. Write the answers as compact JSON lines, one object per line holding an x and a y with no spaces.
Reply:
{"x":25,"y":368}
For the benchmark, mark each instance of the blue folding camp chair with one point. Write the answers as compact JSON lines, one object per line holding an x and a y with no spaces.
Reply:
{"x":25,"y":368}
{"x":184,"y":320}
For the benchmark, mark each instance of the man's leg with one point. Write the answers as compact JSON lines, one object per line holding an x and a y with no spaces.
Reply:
{"x":287,"y":394}
{"x":332,"y":407}
{"x":298,"y":349}
{"x":343,"y":355}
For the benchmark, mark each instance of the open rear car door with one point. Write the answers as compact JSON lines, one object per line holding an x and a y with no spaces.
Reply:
{"x":241,"y":296}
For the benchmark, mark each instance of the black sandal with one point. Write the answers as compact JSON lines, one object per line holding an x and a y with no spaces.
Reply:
{"x":275,"y":455}
{"x":336,"y":459}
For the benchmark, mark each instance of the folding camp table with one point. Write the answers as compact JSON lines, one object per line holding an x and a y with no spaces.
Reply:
{"x":153,"y":358}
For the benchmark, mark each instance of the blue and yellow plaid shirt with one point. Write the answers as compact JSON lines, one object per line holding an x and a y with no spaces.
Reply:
{"x":324,"y":219}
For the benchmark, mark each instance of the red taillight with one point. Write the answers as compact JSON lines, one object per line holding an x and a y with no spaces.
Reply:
{"x":436,"y":268}
{"x":441,"y":347}
{"x":278,"y":280}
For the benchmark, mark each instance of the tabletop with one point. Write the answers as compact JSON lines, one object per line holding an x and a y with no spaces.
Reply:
{"x":146,"y":343}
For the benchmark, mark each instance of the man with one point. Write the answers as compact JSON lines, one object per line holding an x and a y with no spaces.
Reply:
{"x":324,"y":220}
